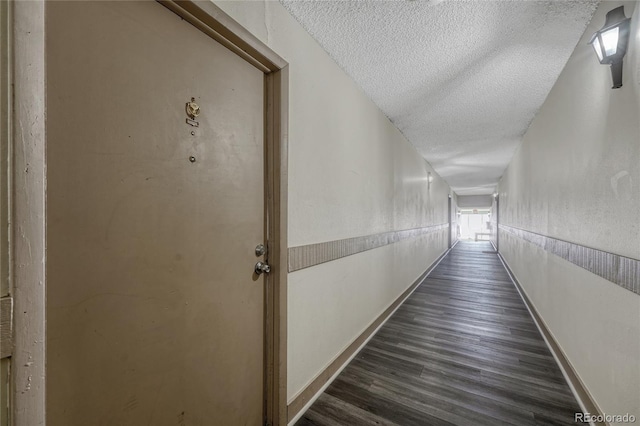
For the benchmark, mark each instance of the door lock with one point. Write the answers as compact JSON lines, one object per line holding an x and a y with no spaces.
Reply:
{"x":262,"y":267}
{"x":261,"y":250}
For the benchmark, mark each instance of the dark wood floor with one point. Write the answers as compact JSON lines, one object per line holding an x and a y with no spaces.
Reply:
{"x":462,"y":350}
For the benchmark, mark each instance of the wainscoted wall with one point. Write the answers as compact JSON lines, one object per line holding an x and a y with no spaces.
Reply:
{"x":494,"y":221}
{"x":314,"y":254}
{"x":570,"y":221}
{"x":454,"y":218}
{"x":620,"y":270}
{"x":364,"y":222}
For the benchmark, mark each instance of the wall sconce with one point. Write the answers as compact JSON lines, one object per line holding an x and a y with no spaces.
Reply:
{"x":495,"y":195}
{"x":610,"y":43}
{"x":429,"y":177}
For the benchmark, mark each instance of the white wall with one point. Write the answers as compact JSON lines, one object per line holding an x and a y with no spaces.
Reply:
{"x":577,"y":178}
{"x":474,"y":201}
{"x":494,"y":221}
{"x":351,"y":173}
{"x":454,"y":218}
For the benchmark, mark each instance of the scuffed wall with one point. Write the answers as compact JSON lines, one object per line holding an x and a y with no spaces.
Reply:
{"x":577,"y":178}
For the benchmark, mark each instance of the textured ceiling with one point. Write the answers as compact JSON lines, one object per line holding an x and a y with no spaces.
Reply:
{"x":462,"y":80}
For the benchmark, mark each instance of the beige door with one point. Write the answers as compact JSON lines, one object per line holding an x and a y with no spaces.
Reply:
{"x":154,"y":313}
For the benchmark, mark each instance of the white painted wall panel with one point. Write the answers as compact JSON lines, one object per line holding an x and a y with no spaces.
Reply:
{"x":351,"y":173}
{"x":577,"y":175}
{"x":474,"y":201}
{"x":494,"y":221}
{"x":332,"y":303}
{"x":596,"y":323}
{"x":577,"y":178}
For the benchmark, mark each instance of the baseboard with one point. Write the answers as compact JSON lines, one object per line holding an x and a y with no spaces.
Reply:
{"x":580,"y":392}
{"x":307,"y":397}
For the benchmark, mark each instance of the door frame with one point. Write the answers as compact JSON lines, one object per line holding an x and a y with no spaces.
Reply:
{"x":6,"y":292}
{"x":27,"y":192}
{"x":450,"y":221}
{"x":28,"y":240}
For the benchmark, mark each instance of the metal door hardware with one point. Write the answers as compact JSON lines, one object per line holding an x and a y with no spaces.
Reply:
{"x":193,"y":109}
{"x":261,"y":250}
{"x":262,"y":267}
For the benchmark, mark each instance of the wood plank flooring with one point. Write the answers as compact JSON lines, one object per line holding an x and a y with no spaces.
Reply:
{"x":462,"y":350}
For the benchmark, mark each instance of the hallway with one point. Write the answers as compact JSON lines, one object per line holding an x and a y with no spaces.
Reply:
{"x":462,"y":349}
{"x":260,"y":213}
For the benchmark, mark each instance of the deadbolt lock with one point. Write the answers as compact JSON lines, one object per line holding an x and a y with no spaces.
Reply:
{"x":261,"y":250}
{"x":261,"y":268}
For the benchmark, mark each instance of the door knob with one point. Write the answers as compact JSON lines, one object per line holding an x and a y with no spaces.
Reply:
{"x":262,"y":267}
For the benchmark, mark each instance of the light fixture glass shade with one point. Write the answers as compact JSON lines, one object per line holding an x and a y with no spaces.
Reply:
{"x":598,"y":48}
{"x":610,"y":41}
